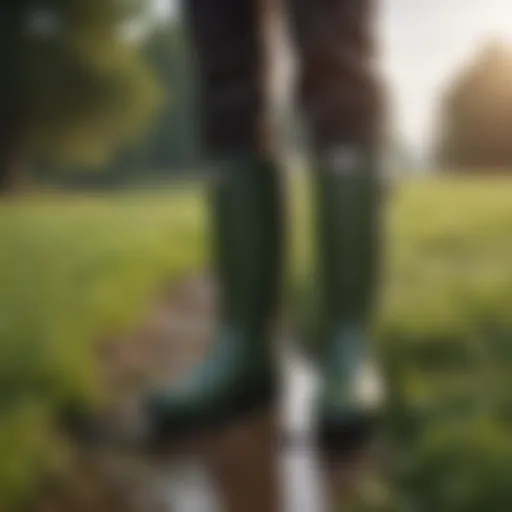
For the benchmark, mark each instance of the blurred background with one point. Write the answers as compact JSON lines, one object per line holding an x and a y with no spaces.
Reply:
{"x":101,"y":213}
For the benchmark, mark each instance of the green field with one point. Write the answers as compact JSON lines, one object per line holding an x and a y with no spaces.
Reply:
{"x":75,"y":268}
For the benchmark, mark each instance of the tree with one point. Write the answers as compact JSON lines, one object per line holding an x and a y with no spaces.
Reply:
{"x":476,"y":113}
{"x":75,"y":87}
{"x":174,"y":139}
{"x":171,"y":145}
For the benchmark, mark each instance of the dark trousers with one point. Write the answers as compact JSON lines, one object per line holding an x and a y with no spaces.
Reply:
{"x":338,"y":88}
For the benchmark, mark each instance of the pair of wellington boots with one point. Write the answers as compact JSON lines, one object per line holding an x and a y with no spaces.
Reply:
{"x":238,"y":375}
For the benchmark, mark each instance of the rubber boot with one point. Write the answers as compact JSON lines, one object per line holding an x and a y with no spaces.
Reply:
{"x":238,"y":375}
{"x":348,"y":204}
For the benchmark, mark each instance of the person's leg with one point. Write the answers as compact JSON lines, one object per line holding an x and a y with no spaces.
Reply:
{"x":341,"y":99}
{"x":238,"y":373}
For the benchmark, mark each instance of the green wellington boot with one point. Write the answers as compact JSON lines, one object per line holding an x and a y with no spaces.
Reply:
{"x":348,"y":203}
{"x":238,"y":374}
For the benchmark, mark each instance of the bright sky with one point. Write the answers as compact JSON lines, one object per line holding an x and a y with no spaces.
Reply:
{"x":424,"y":42}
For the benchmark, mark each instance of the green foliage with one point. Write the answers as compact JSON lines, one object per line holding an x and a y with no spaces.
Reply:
{"x":84,"y":90}
{"x":171,"y":144}
{"x":174,"y":140}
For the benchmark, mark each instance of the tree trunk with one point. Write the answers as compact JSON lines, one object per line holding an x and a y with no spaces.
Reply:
{"x":11,"y":152}
{"x":13,"y":17}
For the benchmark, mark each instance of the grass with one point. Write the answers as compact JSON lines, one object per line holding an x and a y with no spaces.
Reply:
{"x":445,"y":335}
{"x":73,"y":269}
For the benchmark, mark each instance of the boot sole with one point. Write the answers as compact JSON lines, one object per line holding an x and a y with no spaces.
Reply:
{"x":183,"y":434}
